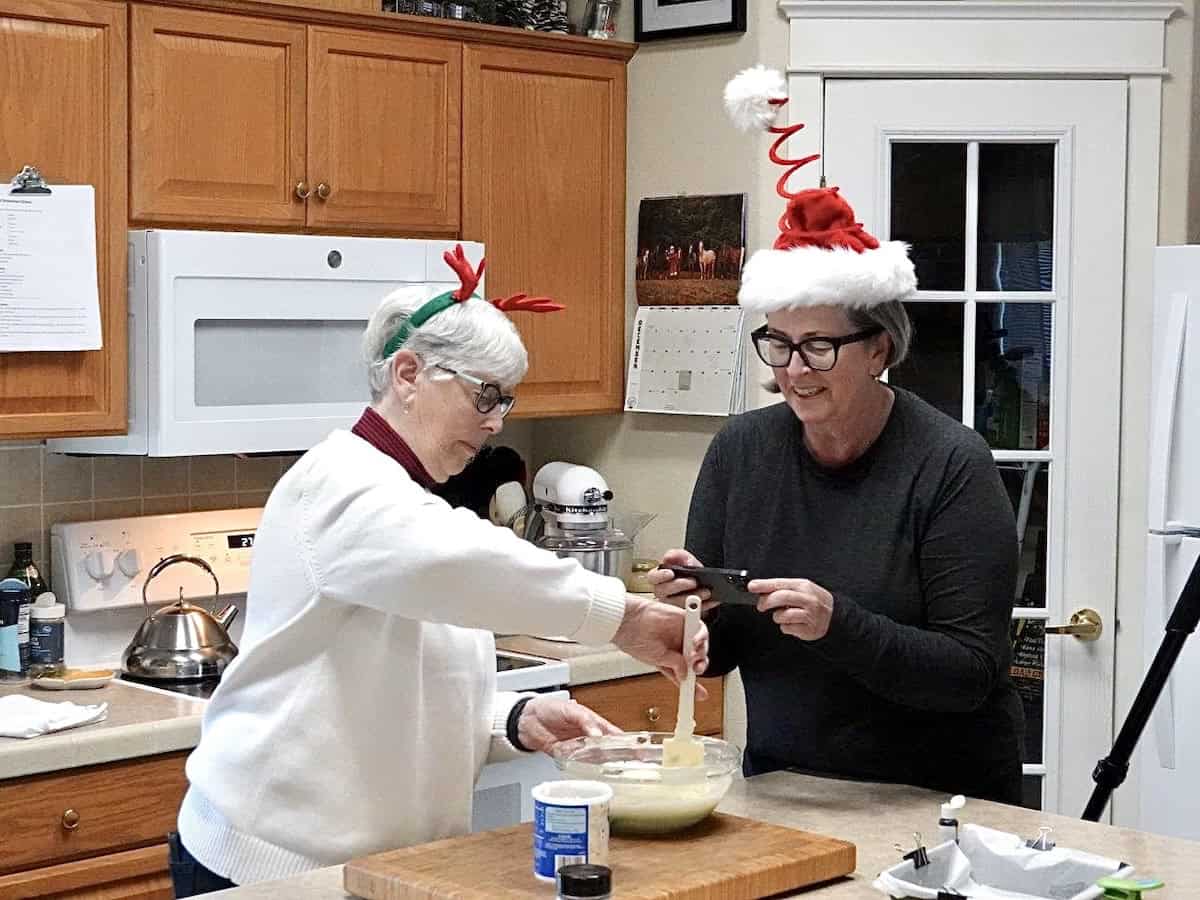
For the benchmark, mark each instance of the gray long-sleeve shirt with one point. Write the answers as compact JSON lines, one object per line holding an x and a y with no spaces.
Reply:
{"x":916,"y":541}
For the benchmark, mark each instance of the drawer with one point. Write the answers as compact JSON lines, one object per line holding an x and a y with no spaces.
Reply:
{"x":649,"y":703}
{"x":84,"y":812}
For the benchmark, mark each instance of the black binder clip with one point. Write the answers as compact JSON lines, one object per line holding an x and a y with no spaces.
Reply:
{"x":919,"y":856}
{"x":29,"y":181}
{"x":1042,"y":841}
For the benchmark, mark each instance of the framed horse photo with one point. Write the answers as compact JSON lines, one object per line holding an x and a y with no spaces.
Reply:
{"x":690,"y":250}
{"x":655,"y":19}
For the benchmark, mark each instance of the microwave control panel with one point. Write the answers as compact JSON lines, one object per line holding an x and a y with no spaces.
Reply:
{"x":104,"y":564}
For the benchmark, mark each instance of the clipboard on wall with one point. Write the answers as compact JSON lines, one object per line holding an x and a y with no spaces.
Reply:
{"x":49,"y":288}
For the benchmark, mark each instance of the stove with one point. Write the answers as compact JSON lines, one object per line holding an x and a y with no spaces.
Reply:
{"x":514,"y":672}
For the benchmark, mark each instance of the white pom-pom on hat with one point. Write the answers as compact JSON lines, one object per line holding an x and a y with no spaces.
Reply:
{"x":748,"y":97}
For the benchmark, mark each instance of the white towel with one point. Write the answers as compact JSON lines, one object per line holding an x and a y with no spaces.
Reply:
{"x":24,"y":717}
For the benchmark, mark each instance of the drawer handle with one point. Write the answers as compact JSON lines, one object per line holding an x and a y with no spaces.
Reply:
{"x":652,"y":714}
{"x":323,"y":191}
{"x":303,"y":191}
{"x":70,"y":820}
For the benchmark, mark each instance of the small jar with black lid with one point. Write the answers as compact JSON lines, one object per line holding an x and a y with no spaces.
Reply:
{"x":582,"y":880}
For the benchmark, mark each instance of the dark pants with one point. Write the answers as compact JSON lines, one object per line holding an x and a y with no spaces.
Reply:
{"x":188,"y":876}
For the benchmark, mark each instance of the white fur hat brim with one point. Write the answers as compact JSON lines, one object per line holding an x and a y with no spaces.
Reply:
{"x":817,"y":276}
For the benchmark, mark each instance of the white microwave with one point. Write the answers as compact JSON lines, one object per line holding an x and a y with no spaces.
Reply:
{"x":250,"y":343}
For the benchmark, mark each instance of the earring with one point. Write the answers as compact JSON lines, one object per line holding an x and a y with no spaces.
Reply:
{"x":407,"y":407}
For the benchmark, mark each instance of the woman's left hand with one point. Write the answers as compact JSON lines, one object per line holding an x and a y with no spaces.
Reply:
{"x":801,"y":608}
{"x":545,"y":721}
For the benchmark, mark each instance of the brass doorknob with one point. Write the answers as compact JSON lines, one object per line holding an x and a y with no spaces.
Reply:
{"x":303,"y":191}
{"x":323,"y":191}
{"x":652,"y":714}
{"x":1085,"y":624}
{"x":70,"y":820}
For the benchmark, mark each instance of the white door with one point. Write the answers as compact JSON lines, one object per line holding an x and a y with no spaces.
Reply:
{"x":1012,"y":195}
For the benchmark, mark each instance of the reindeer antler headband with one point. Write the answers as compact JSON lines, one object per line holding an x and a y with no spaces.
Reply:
{"x":469,"y":280}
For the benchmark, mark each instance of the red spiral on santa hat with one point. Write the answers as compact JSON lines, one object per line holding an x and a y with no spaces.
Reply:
{"x":784,"y":133}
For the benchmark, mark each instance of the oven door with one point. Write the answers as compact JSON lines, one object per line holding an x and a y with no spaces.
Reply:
{"x":502,"y":793}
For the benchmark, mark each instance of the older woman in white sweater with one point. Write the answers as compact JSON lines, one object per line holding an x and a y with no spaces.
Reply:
{"x":363,"y":703}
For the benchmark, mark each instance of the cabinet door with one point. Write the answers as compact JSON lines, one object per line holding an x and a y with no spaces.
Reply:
{"x":217,"y":126}
{"x":544,"y":189}
{"x":62,"y":109}
{"x":650,"y":703}
{"x":133,"y":875}
{"x":383,"y":132}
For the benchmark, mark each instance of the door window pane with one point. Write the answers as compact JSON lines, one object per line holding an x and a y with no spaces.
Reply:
{"x":1028,"y":486}
{"x":1012,"y":374}
{"x":1016,"y":217}
{"x":1029,"y":675}
{"x":1031,"y":791}
{"x":929,"y":210}
{"x":933,"y":370}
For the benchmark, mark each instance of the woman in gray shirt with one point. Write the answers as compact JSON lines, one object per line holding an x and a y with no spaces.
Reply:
{"x":881,"y":537}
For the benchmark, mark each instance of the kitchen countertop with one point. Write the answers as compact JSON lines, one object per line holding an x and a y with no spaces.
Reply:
{"x":587,"y":664}
{"x":874,"y":817}
{"x":139,"y":723}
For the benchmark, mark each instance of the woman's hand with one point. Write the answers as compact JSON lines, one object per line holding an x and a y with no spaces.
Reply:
{"x":801,"y":608}
{"x":546,"y":721}
{"x":653,"y":632}
{"x":674,"y":590}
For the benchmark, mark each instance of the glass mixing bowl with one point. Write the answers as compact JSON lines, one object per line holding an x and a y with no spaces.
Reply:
{"x":648,"y":799}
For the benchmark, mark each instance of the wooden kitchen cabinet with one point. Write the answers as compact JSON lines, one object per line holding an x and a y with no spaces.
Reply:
{"x":96,"y":831}
{"x":240,"y":121}
{"x":217,"y":120}
{"x":649,"y":703}
{"x":384,"y":118}
{"x":63,"y":109}
{"x":544,"y":189}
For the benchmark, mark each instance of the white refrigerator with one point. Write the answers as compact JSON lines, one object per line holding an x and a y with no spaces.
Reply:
{"x":1170,"y":748}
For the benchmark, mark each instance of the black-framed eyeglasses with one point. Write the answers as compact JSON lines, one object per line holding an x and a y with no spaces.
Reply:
{"x":488,"y":396}
{"x":818,"y":353}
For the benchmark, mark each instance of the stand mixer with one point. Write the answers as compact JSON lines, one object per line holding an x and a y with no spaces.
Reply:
{"x":573,"y":501}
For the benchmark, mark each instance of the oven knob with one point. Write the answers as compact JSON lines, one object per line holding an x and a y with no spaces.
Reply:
{"x":128,"y":562}
{"x":99,"y":564}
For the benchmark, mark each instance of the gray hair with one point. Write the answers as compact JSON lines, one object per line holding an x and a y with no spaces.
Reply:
{"x":892,"y":317}
{"x":472,"y":336}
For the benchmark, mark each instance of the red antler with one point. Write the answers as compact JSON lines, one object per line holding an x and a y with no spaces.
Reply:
{"x":525,"y":303}
{"x":462,"y":268}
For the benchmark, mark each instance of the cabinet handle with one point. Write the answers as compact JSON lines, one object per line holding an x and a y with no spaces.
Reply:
{"x":70,"y":820}
{"x":652,"y":714}
{"x":303,"y":191}
{"x":323,"y":191}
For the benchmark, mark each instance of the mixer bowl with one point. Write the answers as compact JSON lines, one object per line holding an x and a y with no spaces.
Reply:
{"x":648,"y":799}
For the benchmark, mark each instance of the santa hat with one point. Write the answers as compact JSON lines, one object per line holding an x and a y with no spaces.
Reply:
{"x":822,"y":255}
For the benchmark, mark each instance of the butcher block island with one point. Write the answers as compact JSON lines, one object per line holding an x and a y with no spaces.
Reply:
{"x":872,"y":817}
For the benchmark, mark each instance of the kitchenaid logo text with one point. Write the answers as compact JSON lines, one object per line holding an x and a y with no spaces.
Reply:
{"x":637,"y":342}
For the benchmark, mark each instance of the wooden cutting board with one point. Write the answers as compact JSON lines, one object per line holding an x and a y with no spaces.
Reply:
{"x":723,"y":858}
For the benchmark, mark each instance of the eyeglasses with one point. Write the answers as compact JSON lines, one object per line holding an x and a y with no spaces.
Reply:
{"x":818,"y":353}
{"x":488,"y":397}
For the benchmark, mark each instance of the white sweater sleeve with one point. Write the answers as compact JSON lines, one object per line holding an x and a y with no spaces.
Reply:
{"x":501,"y":750}
{"x":394,"y":548}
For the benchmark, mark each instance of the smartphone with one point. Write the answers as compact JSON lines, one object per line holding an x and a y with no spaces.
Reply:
{"x":726,"y":585}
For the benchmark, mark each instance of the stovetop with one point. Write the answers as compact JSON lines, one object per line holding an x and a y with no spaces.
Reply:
{"x":200,"y":689}
{"x":555,"y":675}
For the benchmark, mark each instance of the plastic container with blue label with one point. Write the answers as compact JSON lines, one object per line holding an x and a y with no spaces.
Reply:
{"x":570,"y":825}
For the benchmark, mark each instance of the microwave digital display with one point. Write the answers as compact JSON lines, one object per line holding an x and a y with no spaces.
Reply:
{"x":240,"y":541}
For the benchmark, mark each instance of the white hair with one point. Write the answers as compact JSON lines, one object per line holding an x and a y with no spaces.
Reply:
{"x":472,"y":336}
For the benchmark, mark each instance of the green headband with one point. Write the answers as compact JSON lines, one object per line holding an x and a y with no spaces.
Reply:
{"x":426,"y":312}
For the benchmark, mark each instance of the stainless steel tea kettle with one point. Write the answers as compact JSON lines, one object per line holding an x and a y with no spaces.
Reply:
{"x":181,"y":641}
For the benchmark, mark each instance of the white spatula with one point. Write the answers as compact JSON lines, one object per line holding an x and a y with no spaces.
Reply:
{"x":684,"y":750}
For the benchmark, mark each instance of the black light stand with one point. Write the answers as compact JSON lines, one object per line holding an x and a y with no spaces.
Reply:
{"x":1110,"y":772}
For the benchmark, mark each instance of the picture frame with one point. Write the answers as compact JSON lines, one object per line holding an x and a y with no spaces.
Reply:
{"x":690,"y":250}
{"x":660,"y":19}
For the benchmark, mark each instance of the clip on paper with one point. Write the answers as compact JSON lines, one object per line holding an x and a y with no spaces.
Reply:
{"x":29,"y":181}
{"x":919,"y":856}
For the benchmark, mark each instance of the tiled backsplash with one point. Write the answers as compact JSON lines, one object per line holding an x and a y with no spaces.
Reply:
{"x":39,"y":488}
